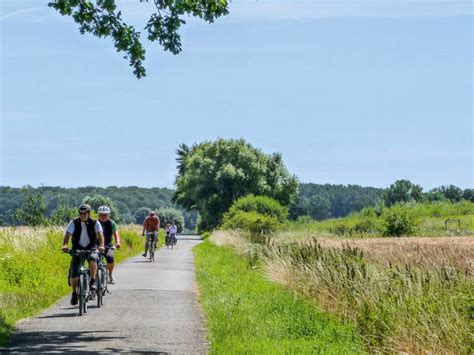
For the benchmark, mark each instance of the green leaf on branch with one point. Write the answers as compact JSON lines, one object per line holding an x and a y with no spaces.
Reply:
{"x":101,"y":18}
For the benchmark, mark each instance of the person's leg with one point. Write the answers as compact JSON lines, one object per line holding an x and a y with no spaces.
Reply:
{"x":93,"y":269}
{"x":110,"y":266}
{"x":74,"y":269}
{"x":147,"y":239}
{"x":92,"y":258}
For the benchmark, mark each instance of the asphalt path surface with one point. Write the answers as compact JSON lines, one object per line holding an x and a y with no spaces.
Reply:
{"x":152,"y":309}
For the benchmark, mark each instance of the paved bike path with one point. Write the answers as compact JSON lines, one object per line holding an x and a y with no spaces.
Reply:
{"x":152,"y":309}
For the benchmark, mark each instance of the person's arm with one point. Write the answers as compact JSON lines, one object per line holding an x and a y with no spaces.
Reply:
{"x":143,"y":231}
{"x":65,"y":247}
{"x":100,"y":236}
{"x":67,"y":236}
{"x":116,"y":235}
{"x":117,"y":239}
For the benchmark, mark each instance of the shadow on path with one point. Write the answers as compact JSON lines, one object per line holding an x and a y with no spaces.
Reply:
{"x":65,"y":342}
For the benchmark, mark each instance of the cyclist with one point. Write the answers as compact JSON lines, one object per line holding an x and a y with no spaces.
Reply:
{"x":86,"y":234}
{"x":167,"y":233}
{"x":151,"y":226}
{"x":110,"y":230}
{"x":173,"y":231}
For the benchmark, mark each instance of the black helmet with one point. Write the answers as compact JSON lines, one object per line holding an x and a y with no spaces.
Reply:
{"x":84,"y":208}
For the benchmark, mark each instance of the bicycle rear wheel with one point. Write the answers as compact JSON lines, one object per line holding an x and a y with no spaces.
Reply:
{"x":152,"y":249}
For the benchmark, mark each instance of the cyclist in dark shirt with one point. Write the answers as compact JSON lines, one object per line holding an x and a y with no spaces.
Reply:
{"x":110,"y":230}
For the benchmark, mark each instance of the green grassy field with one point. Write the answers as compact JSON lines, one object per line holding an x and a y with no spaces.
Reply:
{"x":246,"y":314}
{"x":33,"y":271}
{"x":428,"y":220}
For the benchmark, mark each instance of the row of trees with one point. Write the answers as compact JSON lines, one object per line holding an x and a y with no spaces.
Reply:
{"x":33,"y":212}
{"x":211,"y":177}
{"x":54,"y":204}
{"x":333,"y":201}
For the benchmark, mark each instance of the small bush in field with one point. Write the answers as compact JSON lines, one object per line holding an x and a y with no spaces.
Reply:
{"x":252,"y":222}
{"x":365,"y":226}
{"x":262,"y":205}
{"x":304,"y":220}
{"x":397,"y":222}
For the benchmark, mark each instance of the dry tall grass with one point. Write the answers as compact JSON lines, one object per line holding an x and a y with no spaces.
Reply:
{"x":406,"y":294}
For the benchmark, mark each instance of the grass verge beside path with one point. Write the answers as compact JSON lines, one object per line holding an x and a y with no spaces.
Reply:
{"x":246,"y":314}
{"x":33,"y":272}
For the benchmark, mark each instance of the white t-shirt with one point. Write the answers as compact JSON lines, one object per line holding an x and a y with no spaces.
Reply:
{"x":84,"y":238}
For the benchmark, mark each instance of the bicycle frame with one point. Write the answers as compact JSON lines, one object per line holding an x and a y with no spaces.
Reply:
{"x":84,"y":280}
{"x":152,"y":239}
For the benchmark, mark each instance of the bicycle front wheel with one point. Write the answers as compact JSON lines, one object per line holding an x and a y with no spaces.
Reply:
{"x":81,"y":294}
{"x":99,"y":287}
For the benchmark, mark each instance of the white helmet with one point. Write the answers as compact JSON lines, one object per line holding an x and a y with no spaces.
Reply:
{"x":103,"y":210}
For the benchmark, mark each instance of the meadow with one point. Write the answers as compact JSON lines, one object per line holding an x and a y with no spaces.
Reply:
{"x":33,"y":271}
{"x":411,"y":295}
{"x":247,"y":314}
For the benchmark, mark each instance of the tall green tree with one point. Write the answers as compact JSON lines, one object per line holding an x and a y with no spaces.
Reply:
{"x":32,"y":211}
{"x":212,"y":175}
{"x":103,"y":18}
{"x":402,"y":191}
{"x":468,"y":195}
{"x":451,"y":192}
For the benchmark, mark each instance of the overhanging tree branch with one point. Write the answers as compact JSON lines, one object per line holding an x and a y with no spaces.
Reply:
{"x":102,"y":19}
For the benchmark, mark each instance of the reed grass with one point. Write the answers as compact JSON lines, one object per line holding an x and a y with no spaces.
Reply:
{"x":413,"y":295}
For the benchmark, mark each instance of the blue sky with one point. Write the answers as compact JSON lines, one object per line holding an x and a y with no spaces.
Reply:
{"x":362,"y":92}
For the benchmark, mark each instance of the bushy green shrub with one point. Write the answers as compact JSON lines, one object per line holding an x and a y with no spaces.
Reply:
{"x":260,"y":204}
{"x":397,"y":222}
{"x":304,"y":220}
{"x":253,"y":222}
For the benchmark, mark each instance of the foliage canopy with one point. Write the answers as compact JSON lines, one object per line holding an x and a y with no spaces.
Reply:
{"x":102,"y":18}
{"x":212,"y":175}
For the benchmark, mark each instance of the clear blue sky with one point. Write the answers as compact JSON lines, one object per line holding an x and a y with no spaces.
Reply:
{"x":362,"y":92}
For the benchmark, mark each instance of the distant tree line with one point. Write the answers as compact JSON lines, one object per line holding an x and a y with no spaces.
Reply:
{"x":35,"y":206}
{"x":56,"y":205}
{"x":333,"y":201}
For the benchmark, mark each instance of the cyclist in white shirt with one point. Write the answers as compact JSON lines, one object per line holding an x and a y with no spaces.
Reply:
{"x":86,"y":234}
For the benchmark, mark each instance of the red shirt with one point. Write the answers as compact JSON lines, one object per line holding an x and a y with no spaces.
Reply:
{"x":151,"y":224}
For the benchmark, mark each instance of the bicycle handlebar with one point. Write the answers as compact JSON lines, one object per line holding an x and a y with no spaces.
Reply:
{"x":79,"y":252}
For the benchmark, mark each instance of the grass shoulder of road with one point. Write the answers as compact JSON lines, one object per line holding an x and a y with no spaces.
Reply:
{"x":246,"y":314}
{"x":33,"y":272}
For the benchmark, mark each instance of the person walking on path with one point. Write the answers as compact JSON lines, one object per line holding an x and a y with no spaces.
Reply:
{"x":151,"y":226}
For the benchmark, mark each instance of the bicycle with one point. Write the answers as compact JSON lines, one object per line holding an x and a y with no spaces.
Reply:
{"x":152,"y":245}
{"x":170,"y":240}
{"x":101,"y":279}
{"x":83,"y":292}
